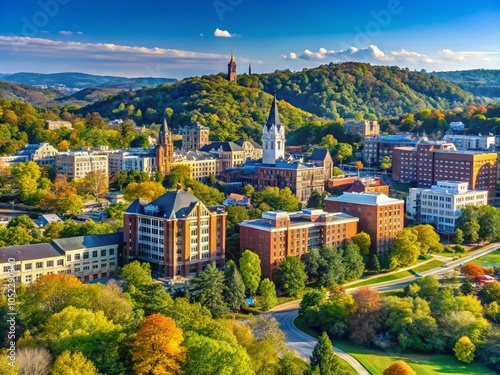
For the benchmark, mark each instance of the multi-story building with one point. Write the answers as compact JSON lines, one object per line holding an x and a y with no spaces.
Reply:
{"x":442,"y":204}
{"x":203,"y":164}
{"x":377,"y":146}
{"x":53,"y":125}
{"x":87,"y":257}
{"x":132,"y":159}
{"x":279,"y":234}
{"x":176,"y":233}
{"x":379,"y":216}
{"x":164,"y":150}
{"x":427,"y":163}
{"x":40,"y":153}
{"x":365,"y":128}
{"x":228,"y":154}
{"x":471,"y":142}
{"x":194,"y":137}
{"x":13,"y":160}
{"x":76,"y":165}
{"x":253,"y":151}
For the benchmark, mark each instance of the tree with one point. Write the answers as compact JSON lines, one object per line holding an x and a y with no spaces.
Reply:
{"x":235,"y":215}
{"x":115,"y":211}
{"x":464,"y":350}
{"x":95,"y":182}
{"x":363,"y":241}
{"x":365,"y":321}
{"x":149,"y":191}
{"x":27,"y":178}
{"x":428,"y":287}
{"x":250,"y":271}
{"x":458,"y":236}
{"x":277,"y":199}
{"x":359,"y":166}
{"x":353,"y":262}
{"x":248,"y":190}
{"x":157,"y":348}
{"x":399,"y":368}
{"x":344,"y":152}
{"x":62,"y":198}
{"x":268,"y":298}
{"x":69,"y":363}
{"x":325,"y":265}
{"x":323,"y":359}
{"x":63,"y":145}
{"x":208,"y":288}
{"x":329,"y":142}
{"x":426,"y":236}
{"x":136,"y":274}
{"x":291,"y":276}
{"x":317,"y":199}
{"x":385,"y":163}
{"x":234,"y":293}
{"x":491,"y":292}
{"x":337,"y":172}
{"x":119,"y":179}
{"x":404,"y":248}
{"x":373,"y":263}
{"x":472,"y":270}
{"x":291,"y":364}
{"x":31,"y":361}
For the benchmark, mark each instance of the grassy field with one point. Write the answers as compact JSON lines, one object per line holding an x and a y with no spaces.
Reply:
{"x":399,"y":275}
{"x":491,"y":258}
{"x":376,"y":360}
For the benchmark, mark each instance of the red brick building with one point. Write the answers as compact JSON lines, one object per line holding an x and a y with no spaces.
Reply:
{"x":379,"y":216}
{"x":428,"y":163}
{"x":176,"y":233}
{"x":279,"y":234}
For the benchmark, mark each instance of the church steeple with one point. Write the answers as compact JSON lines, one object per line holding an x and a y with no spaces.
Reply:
{"x":164,"y":149}
{"x":231,"y":69}
{"x":273,"y":136}
{"x":249,"y":69}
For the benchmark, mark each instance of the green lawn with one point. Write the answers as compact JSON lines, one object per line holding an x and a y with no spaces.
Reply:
{"x":399,"y":186}
{"x":398,"y":275}
{"x":491,"y":258}
{"x":376,"y":360}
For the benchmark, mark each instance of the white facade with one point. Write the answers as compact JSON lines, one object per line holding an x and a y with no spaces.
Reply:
{"x":472,"y":142}
{"x":442,"y":204}
{"x":273,"y":144}
{"x":76,"y":165}
{"x":140,"y":160}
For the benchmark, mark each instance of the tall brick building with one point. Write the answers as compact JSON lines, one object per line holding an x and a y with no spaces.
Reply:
{"x":194,"y":137}
{"x":176,"y":233}
{"x":279,"y":234}
{"x":427,"y":163}
{"x":164,"y":150}
{"x":379,"y":216}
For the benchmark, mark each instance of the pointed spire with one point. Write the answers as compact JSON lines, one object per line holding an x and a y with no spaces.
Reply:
{"x":232,"y":56}
{"x":164,"y":127}
{"x":250,"y":69}
{"x":274,"y":116}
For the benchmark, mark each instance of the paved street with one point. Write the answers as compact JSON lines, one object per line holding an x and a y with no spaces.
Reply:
{"x":303,"y":343}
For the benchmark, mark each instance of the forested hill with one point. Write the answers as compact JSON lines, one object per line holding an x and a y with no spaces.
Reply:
{"x":230,"y":110}
{"x":26,"y":93}
{"x":344,"y":90}
{"x":480,"y":82}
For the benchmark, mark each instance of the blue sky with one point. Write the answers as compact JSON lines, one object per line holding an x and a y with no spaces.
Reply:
{"x":193,"y":37}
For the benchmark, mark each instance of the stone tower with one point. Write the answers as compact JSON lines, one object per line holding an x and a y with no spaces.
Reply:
{"x":164,"y":150}
{"x":273,"y":137}
{"x":231,"y":69}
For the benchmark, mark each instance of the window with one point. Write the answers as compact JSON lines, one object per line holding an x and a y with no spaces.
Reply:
{"x":95,"y":266}
{"x":103,"y":252}
{"x":85,"y":255}
{"x":77,"y":269}
{"x":77,"y":256}
{"x":60,"y":262}
{"x":27,"y":266}
{"x":86,"y":268}
{"x":50,"y":263}
{"x":94,"y":254}
{"x":39,"y":265}
{"x":68,"y":258}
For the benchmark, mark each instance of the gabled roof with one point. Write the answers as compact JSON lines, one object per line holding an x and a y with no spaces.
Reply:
{"x":29,"y":252}
{"x":226,"y":146}
{"x":319,"y":154}
{"x":274,"y":116}
{"x":240,"y":142}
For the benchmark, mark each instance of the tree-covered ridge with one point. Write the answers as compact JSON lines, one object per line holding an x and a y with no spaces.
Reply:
{"x":231,"y":111}
{"x":480,"y":82}
{"x":26,"y":93}
{"x":346,"y":89}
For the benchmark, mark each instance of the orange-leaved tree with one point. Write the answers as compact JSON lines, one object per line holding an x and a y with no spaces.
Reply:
{"x":157,"y":347}
{"x":399,"y":368}
{"x":472,"y":270}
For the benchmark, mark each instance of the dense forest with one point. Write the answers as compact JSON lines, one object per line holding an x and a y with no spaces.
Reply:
{"x":347,"y":89}
{"x":480,"y":82}
{"x":26,"y":93}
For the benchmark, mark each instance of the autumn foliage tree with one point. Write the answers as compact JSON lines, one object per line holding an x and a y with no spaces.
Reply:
{"x":365,"y":321}
{"x":464,"y":350}
{"x":399,"y":368}
{"x":157,"y":348}
{"x":472,"y":270}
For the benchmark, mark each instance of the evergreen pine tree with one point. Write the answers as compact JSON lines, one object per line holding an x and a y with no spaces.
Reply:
{"x":234,"y":294}
{"x":323,"y":358}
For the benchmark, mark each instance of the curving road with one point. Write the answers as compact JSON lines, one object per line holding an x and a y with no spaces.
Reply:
{"x":303,"y":343}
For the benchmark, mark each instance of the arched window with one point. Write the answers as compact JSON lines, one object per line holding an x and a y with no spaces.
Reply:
{"x":272,"y":145}
{"x":279,"y":145}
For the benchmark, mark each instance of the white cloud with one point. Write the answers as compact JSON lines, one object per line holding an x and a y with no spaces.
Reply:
{"x":369,"y":53}
{"x":66,"y":32}
{"x":79,"y":32}
{"x":201,"y":34}
{"x":467,"y":55}
{"x":222,"y":33}
{"x":413,"y":57}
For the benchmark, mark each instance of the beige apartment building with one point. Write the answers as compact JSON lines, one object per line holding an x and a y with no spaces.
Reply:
{"x":76,"y":165}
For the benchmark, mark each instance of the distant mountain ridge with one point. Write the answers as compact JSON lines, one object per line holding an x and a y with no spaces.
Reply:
{"x":78,"y":81}
{"x":26,"y":93}
{"x":480,"y":82}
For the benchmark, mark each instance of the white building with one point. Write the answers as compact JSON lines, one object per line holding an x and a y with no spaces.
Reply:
{"x":273,"y":137}
{"x":76,"y":165}
{"x":130,"y":159}
{"x":442,"y":204}
{"x":40,"y":153}
{"x":471,"y":142}
{"x":86,"y":257}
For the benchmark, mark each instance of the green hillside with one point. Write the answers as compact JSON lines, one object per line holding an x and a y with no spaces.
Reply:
{"x":26,"y":93}
{"x":346,"y":89}
{"x":230,"y":110}
{"x":480,"y":82}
